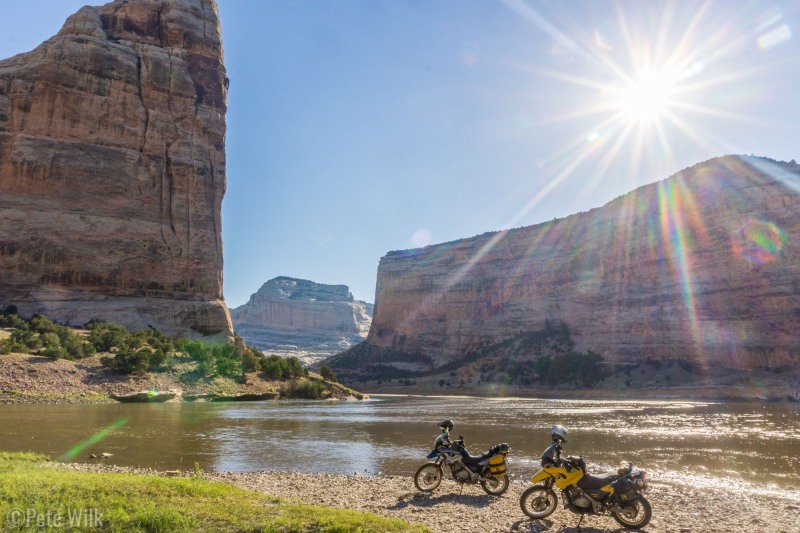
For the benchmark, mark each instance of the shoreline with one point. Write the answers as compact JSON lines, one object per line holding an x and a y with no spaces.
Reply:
{"x":448,"y":508}
{"x":690,"y":394}
{"x":38,"y":380}
{"x":33,"y":379}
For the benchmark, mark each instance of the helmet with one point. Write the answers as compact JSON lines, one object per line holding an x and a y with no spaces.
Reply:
{"x":559,"y":433}
{"x":447,"y":425}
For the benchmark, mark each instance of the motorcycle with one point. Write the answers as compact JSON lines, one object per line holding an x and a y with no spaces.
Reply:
{"x":616,"y":493}
{"x":488,"y":469}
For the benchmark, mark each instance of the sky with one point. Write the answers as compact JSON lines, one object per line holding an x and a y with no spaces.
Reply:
{"x":358,"y":127}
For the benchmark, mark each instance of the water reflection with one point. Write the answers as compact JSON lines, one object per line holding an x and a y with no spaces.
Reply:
{"x":743,"y":445}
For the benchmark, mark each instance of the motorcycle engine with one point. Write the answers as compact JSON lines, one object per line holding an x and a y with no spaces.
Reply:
{"x":579,"y":500}
{"x":461,"y":472}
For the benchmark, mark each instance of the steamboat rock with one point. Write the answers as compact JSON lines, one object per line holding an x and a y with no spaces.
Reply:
{"x":112,"y":169}
{"x":703,"y":266}
{"x":298,"y":317}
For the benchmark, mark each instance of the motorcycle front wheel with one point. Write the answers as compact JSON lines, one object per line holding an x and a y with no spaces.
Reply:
{"x":428,"y":477}
{"x":538,"y":502}
{"x":496,"y":485}
{"x":636,"y":515}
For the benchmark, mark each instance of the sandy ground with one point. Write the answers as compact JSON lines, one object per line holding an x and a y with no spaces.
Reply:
{"x":446,"y":510}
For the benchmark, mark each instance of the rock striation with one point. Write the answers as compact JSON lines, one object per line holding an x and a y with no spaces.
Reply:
{"x":702,"y":266}
{"x":112,"y":169}
{"x":299,"y":317}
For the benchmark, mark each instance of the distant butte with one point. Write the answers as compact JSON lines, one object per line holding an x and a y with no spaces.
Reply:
{"x":112,"y":169}
{"x":309,"y":320}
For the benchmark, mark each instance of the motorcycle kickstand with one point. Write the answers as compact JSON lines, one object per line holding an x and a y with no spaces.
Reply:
{"x":461,"y":490}
{"x":579,"y":522}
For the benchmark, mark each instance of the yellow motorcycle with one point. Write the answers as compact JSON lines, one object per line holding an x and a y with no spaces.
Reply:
{"x":616,"y":493}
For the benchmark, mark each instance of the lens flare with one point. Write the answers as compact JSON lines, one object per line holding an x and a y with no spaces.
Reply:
{"x":94,"y":439}
{"x":759,"y":242}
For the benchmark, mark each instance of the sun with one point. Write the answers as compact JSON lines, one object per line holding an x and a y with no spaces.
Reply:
{"x":648,"y":96}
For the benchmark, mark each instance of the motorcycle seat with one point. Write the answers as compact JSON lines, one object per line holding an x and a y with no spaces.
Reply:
{"x":596,"y":481}
{"x":474,"y":459}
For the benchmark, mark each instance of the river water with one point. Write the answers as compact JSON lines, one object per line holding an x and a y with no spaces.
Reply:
{"x":752,"y":447}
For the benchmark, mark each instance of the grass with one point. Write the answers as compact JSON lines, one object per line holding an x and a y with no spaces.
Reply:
{"x":131,"y":502}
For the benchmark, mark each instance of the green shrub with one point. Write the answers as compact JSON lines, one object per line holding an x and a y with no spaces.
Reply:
{"x":50,"y":339}
{"x":55,"y":352}
{"x":308,"y":390}
{"x":134,"y":362}
{"x":326,"y":373}
{"x":106,"y":336}
{"x":212,"y":361}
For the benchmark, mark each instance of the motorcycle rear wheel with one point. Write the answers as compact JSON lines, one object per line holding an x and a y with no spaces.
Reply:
{"x":428,"y":477}
{"x":635,"y":516}
{"x":538,"y":502}
{"x":495,"y":486}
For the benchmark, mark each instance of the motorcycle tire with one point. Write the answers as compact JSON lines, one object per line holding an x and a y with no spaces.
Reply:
{"x":538,"y":502}
{"x":636,"y":515}
{"x":495,"y":486}
{"x":428,"y":477}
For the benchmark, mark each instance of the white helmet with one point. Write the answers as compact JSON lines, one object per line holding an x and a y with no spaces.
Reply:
{"x":559,"y":433}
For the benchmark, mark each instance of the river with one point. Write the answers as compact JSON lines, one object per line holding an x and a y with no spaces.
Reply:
{"x":751,"y":446}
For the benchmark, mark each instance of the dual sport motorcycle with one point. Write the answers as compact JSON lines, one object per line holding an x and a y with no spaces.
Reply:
{"x":616,"y":493}
{"x":488,"y":469}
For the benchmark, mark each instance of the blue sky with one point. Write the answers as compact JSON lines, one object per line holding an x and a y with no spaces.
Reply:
{"x":356,"y":127}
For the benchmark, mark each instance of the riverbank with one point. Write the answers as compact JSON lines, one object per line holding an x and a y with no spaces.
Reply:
{"x":33,"y":379}
{"x":718,"y":393}
{"x":38,"y":495}
{"x":448,"y":509}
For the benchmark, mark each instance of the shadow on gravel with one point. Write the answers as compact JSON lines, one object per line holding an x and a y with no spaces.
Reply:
{"x":419,"y":499}
{"x":539,"y":526}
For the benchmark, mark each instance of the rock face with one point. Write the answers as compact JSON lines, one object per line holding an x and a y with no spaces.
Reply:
{"x":112,"y":169}
{"x":299,"y":317}
{"x":702,"y":266}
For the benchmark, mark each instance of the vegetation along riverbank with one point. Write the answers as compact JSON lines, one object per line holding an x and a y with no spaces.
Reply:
{"x":676,"y":508}
{"x":44,"y":362}
{"x":38,"y":495}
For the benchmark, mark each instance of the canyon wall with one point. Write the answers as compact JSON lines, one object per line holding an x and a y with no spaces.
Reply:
{"x":298,"y":317}
{"x":112,"y":169}
{"x":703,"y":266}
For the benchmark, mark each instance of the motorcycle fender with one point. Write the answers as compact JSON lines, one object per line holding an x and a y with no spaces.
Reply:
{"x":433,"y":455}
{"x":541,"y":475}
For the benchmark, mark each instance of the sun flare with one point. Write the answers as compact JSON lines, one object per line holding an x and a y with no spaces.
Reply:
{"x":648,"y":97}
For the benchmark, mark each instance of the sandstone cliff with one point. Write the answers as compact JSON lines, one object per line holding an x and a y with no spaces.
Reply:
{"x":302,"y":318}
{"x":702,"y":266}
{"x":112,"y":169}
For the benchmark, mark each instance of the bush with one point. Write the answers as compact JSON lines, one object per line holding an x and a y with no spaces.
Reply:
{"x":106,"y":336}
{"x":55,"y":352}
{"x":212,"y":361}
{"x":135,"y":362}
{"x":276,"y":367}
{"x":308,"y":390}
{"x":326,"y":373}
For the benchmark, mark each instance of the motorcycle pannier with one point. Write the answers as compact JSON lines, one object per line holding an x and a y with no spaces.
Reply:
{"x":497,"y":465}
{"x":623,"y":488}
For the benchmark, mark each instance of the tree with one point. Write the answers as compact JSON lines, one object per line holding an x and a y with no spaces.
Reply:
{"x":326,"y":373}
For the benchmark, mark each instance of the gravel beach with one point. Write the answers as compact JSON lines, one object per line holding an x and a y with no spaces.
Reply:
{"x":447,"y":509}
